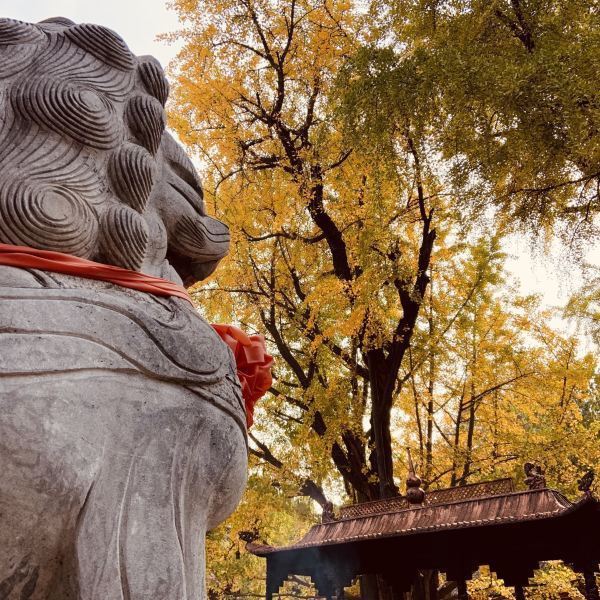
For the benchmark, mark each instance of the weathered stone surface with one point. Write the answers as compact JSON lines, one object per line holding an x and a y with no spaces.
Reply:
{"x":122,"y":428}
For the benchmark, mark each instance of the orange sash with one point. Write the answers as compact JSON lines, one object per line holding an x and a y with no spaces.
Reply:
{"x":58,"y":262}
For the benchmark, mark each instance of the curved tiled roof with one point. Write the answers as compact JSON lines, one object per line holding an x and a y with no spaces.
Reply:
{"x":471,"y":512}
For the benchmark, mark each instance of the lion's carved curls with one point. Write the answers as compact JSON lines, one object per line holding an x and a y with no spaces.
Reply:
{"x":86,"y":166}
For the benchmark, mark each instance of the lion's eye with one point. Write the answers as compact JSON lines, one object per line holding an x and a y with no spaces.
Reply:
{"x":188,"y":193}
{"x":184,"y":172}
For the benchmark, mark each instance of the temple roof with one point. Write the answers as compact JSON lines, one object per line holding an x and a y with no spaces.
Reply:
{"x":452,"y":530}
{"x":478,"y":505}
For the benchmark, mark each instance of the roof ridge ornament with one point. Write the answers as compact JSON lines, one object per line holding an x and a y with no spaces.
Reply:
{"x":414,"y":493}
{"x":584,"y":484}
{"x":328,"y":514}
{"x":535,"y":478}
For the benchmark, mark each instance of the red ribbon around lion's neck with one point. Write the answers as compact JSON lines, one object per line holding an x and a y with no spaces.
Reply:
{"x":252,"y":360}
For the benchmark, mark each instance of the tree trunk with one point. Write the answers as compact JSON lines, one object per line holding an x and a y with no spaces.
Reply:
{"x":456,"y":449}
{"x":430,"y":389}
{"x":382,"y":382}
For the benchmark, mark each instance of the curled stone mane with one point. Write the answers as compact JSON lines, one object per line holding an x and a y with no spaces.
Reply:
{"x":86,"y":165}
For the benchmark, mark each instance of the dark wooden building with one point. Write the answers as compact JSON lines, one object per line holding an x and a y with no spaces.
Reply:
{"x":453,"y":531}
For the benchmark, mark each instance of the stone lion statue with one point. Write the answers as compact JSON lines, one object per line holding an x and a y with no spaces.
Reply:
{"x":122,"y":425}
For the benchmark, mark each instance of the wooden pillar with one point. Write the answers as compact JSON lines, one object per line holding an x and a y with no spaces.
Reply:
{"x":325,"y":587}
{"x":588,"y":569}
{"x":269,"y":583}
{"x":463,"y":593}
{"x":397,"y":583}
{"x":274,"y":580}
{"x":519,"y":592}
{"x":591,"y":587}
{"x":460,"y":574}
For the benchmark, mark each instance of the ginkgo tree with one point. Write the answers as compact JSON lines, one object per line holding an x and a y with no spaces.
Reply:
{"x":326,"y":135}
{"x":505,"y":387}
{"x":494,"y":383}
{"x":512,"y":88}
{"x":332,"y":248}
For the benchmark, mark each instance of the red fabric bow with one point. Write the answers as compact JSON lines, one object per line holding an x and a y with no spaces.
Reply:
{"x":253,"y":364}
{"x":250,"y":352}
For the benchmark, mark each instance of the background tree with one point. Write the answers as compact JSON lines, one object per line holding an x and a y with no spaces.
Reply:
{"x":342,"y":150}
{"x":334,"y":248}
{"x":513,"y":85}
{"x":500,"y":384}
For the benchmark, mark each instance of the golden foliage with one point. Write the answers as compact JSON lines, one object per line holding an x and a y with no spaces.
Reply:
{"x":336,"y":161}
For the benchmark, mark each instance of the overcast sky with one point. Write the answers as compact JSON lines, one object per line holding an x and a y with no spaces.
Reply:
{"x":138,"y":22}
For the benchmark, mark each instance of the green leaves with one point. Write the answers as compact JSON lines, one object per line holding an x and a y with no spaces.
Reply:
{"x":506,"y":92}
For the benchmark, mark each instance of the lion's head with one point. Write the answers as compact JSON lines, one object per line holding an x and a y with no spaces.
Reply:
{"x":86,"y":166}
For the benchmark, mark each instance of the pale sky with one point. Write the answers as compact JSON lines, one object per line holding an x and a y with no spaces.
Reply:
{"x":138,"y":22}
